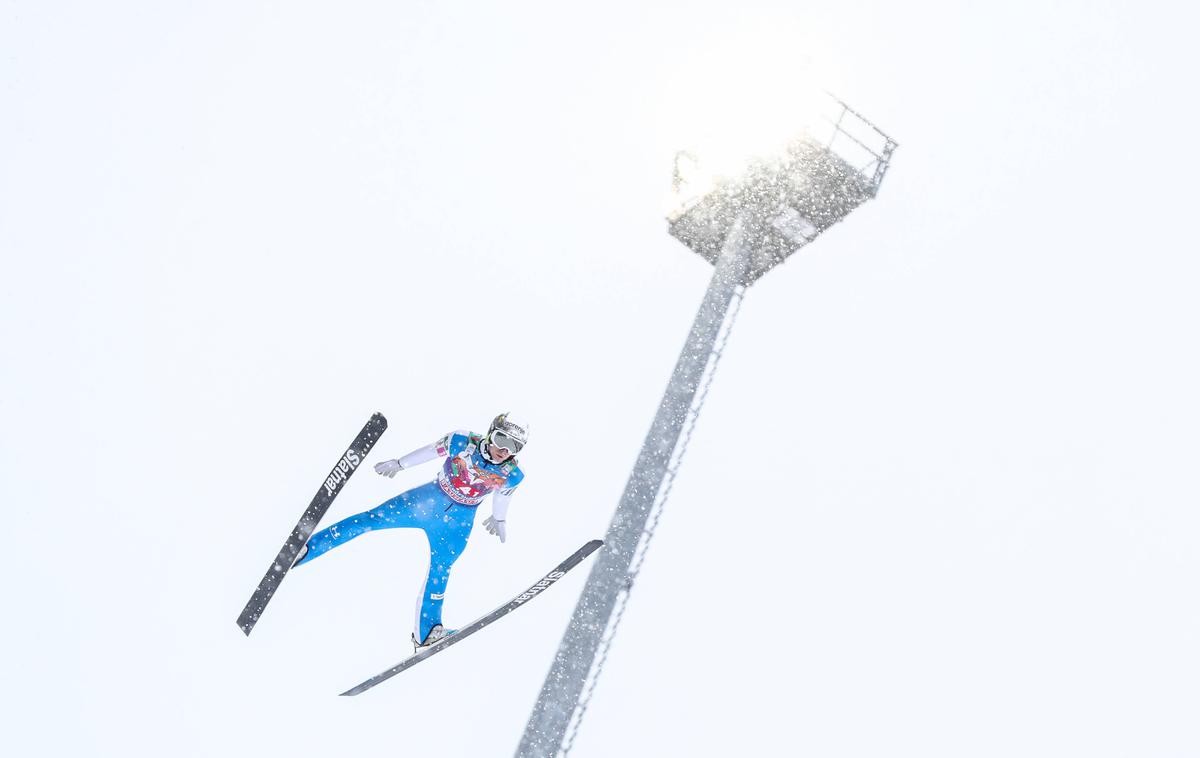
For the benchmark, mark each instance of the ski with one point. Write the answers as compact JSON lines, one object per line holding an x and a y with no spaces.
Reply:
{"x":333,"y":484}
{"x":536,"y":589}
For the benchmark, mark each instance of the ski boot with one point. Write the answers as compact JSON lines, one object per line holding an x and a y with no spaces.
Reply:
{"x":300,"y":555}
{"x":436,"y":635}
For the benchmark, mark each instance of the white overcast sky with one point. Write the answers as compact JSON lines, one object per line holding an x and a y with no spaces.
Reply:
{"x":942,"y":500}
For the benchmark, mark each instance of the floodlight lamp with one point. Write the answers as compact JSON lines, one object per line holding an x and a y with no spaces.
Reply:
{"x":833,"y":161}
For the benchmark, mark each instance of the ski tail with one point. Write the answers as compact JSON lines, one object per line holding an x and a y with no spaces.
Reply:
{"x":533,"y":591}
{"x":351,"y":459}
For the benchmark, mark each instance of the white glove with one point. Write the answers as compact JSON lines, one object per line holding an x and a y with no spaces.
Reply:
{"x":495,"y":526}
{"x":388,"y":468}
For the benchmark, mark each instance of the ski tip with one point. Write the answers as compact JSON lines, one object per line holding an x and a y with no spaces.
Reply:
{"x":593,"y":545}
{"x":359,"y":689}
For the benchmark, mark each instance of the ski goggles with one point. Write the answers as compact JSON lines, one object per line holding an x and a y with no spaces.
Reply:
{"x":504,"y":442}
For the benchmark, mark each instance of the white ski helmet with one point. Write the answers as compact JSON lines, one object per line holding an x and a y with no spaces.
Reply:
{"x":506,"y":433}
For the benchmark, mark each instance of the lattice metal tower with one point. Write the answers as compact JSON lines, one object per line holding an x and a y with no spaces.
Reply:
{"x":745,"y":225}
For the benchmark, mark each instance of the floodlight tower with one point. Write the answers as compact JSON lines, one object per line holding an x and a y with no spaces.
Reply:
{"x":745,"y":225}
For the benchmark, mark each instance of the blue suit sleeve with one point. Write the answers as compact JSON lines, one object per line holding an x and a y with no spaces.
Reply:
{"x":453,"y":443}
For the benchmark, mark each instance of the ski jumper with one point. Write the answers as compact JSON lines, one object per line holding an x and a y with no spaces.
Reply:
{"x":444,"y":509}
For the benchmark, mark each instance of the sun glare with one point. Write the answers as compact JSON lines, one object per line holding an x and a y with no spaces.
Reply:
{"x":736,"y":102}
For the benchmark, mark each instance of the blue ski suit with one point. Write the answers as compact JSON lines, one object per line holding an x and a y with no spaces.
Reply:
{"x":444,"y":509}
